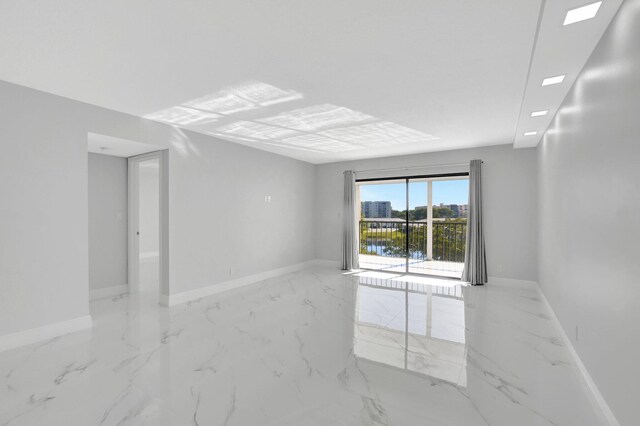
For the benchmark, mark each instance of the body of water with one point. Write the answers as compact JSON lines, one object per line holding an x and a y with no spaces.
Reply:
{"x":379,"y":249}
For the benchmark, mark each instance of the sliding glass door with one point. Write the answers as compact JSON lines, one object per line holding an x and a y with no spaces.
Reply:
{"x":383,"y":228}
{"x":414,"y":224}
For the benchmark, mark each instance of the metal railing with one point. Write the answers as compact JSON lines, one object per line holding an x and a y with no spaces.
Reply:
{"x":449,"y":241}
{"x":394,"y":238}
{"x":412,"y":287}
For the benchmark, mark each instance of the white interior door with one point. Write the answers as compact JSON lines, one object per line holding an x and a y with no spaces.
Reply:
{"x":148,"y":207}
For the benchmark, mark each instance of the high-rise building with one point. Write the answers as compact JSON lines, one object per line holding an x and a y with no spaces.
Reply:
{"x":372,"y":209}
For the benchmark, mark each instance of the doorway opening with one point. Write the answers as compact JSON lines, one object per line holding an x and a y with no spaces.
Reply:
{"x":116,"y":169}
{"x":414,"y":224}
{"x":147,"y":226}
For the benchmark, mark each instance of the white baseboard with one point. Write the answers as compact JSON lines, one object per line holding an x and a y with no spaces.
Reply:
{"x":113,"y":291}
{"x":165,"y":301}
{"x":46,"y":332}
{"x":600,"y":405}
{"x":326,"y":262}
{"x":176,"y":299}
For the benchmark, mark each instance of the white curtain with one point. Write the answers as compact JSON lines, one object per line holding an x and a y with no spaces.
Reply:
{"x":349,"y":223}
{"x":475,"y":261}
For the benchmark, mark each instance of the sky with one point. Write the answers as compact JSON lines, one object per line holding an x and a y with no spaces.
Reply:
{"x":445,"y":191}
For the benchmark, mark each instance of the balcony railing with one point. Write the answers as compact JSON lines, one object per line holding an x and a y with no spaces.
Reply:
{"x":442,"y":241}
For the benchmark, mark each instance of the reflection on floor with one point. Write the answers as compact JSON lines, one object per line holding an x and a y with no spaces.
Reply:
{"x":412,"y":326}
{"x":416,"y":266}
{"x":149,"y":276}
{"x":316,"y":347}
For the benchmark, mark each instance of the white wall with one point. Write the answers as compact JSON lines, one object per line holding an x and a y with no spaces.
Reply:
{"x":43,"y":212}
{"x":590,"y":214}
{"x":221,"y":227}
{"x":218,"y":219}
{"x":107,"y":221}
{"x":509,"y":187}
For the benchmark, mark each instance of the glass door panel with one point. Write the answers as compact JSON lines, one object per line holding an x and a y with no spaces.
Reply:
{"x":416,"y":225}
{"x":418,"y":235}
{"x":449,"y":227}
{"x":383,"y":228}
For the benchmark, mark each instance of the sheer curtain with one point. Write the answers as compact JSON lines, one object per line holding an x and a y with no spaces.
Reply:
{"x":475,"y":261}
{"x":349,"y":226}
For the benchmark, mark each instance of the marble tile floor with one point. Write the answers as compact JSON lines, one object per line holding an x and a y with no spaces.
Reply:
{"x":315,"y":347}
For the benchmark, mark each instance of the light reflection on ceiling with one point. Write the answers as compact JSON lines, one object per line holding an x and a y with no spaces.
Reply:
{"x":318,"y":143}
{"x":317,"y":117}
{"x":182,"y":116}
{"x":255,"y":113}
{"x":380,"y":133}
{"x":257,"y":130}
{"x":244,"y":97}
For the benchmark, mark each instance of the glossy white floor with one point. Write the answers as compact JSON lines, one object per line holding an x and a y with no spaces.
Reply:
{"x":314,"y":347}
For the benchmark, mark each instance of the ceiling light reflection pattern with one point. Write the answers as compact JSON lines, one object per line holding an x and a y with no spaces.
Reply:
{"x":382,"y":133}
{"x":338,"y":139}
{"x":317,"y":117}
{"x":183,"y":116}
{"x":299,"y":128}
{"x":244,"y":97}
{"x":255,"y":130}
{"x":318,"y":143}
{"x":247,"y":96}
{"x":322,"y":128}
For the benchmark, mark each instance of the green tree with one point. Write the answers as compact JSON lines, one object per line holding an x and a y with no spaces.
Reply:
{"x":443,"y":212}
{"x":398,"y":214}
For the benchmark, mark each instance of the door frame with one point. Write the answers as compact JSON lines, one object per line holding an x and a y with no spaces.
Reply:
{"x":133,"y":183}
{"x":407,"y":180}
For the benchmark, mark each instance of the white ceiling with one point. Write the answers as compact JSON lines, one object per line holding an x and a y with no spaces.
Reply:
{"x":117,"y":147}
{"x":560,"y":50}
{"x":319,"y":81}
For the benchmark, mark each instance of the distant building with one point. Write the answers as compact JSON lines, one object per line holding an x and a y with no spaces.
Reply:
{"x":458,"y":210}
{"x":376,"y":209}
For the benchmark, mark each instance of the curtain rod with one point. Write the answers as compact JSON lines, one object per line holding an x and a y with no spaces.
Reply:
{"x":413,"y":167}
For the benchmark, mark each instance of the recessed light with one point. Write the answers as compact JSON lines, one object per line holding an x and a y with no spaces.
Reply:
{"x":105,"y":148}
{"x":539,"y":113}
{"x":553,"y":80}
{"x":530,"y":133}
{"x":582,"y":13}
